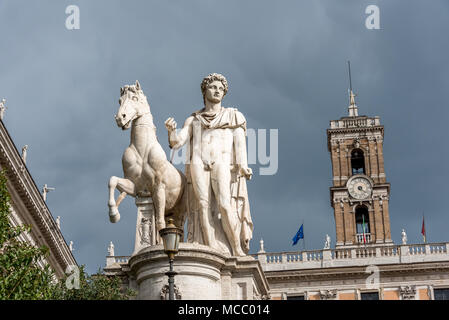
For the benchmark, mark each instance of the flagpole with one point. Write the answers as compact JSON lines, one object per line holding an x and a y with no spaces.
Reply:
{"x":363,"y":229}
{"x":423,"y":230}
{"x":303,"y":237}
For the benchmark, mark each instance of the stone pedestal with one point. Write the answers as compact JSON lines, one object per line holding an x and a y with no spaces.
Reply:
{"x":203,"y":274}
{"x":146,"y":234}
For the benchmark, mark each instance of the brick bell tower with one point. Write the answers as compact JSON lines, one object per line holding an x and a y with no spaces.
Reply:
{"x":359,"y":194}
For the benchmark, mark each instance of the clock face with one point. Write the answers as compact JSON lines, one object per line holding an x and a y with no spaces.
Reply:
{"x":359,"y":188}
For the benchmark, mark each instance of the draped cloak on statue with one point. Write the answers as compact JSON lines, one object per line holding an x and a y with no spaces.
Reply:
{"x":225,"y":118}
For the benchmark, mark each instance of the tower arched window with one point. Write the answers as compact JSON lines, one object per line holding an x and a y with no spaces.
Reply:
{"x":362,"y":220}
{"x":357,"y":162}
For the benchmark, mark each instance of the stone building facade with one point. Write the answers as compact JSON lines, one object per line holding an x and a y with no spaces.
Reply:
{"x":28,"y":207}
{"x":396,"y":272}
{"x":365,"y":263}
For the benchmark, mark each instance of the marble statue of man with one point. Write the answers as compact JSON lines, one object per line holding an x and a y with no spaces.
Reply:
{"x":216,"y":171}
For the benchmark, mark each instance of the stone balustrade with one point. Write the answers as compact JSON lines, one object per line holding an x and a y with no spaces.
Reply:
{"x":360,"y":237}
{"x":110,"y":260}
{"x":355,"y":122}
{"x":357,"y":256}
{"x":121,"y":259}
{"x":326,"y":258}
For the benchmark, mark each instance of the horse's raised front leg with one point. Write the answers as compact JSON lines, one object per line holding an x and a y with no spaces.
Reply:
{"x":125,"y":186}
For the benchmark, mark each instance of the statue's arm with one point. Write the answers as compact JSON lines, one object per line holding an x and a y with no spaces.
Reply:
{"x":177,"y":140}
{"x":240,"y":153}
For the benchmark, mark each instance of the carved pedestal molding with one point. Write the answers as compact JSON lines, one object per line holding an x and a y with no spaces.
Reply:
{"x":146,"y":234}
{"x":202,"y":274}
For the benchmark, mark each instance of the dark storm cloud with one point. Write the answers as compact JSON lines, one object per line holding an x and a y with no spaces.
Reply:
{"x":286,"y":66}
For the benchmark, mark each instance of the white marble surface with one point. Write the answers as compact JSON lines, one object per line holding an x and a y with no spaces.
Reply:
{"x":146,"y":170}
{"x":203,"y":274}
{"x":216,"y":171}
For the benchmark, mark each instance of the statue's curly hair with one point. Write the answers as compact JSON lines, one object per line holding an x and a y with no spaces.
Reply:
{"x":211,"y":78}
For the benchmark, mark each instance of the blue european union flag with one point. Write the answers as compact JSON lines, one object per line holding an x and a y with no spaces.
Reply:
{"x":298,"y":235}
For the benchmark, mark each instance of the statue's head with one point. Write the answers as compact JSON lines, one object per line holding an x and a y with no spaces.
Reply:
{"x":133,"y":103}
{"x":214,"y":87}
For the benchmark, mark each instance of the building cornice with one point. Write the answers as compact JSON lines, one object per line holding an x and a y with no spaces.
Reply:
{"x":363,"y":129}
{"x":351,"y":272}
{"x":21,"y":182}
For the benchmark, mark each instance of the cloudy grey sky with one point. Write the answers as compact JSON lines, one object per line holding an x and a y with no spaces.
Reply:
{"x":286,"y":66}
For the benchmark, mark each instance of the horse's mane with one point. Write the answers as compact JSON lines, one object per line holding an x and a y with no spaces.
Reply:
{"x":131,"y":88}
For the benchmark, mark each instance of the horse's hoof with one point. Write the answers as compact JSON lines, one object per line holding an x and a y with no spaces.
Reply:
{"x":114,"y":215}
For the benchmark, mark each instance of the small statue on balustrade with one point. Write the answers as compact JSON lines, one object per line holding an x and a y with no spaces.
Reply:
{"x":327,"y":243}
{"x":404,"y":237}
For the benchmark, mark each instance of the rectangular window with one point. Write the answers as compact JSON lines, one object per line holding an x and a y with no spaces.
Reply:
{"x":295,"y":297}
{"x":369,"y":295}
{"x":441,"y":294}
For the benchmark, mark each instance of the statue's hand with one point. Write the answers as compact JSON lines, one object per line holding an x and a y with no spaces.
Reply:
{"x":246,"y":172}
{"x":170,"y":124}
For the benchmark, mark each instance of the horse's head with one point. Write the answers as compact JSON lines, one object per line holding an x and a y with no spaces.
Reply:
{"x":133,"y":104}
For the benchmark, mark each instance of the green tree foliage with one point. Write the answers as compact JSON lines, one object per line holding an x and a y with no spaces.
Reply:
{"x":25,"y":275}
{"x":92,"y":287}
{"x":21,"y":277}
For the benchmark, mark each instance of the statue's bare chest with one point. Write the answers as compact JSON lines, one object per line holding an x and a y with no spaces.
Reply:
{"x":217,"y":139}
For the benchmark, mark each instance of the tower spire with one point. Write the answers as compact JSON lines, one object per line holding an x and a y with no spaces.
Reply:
{"x":353,"y":111}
